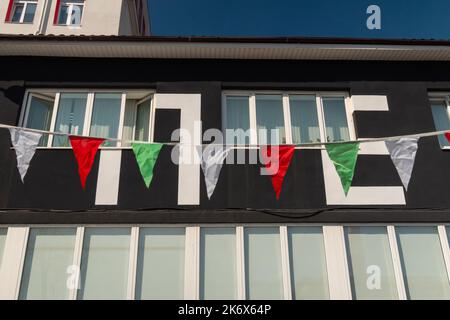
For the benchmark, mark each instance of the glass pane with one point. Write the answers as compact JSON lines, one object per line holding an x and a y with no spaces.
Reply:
{"x":309,"y":279}
{"x":370,"y":263}
{"x":70,"y":118}
{"x":3,"y":233}
{"x":160,"y":267}
{"x":304,"y":120}
{"x":129,"y":120}
{"x":29,"y":13}
{"x":269,"y":116}
{"x":441,"y":121}
{"x":105,"y":116}
{"x":335,"y":119}
{"x":423,"y":265}
{"x":104,"y":263}
{"x":63,"y":13}
{"x":18,"y":9}
{"x":142,"y":121}
{"x":263,"y":263}
{"x":77,"y":13}
{"x":218,"y":263}
{"x":39,"y":116}
{"x":238,"y":123}
{"x":48,"y":256}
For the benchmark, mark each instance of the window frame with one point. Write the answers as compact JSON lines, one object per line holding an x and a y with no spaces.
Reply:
{"x":70,"y":6}
{"x":319,"y":95}
{"x":88,"y":112}
{"x":440,"y":97}
{"x":25,"y":4}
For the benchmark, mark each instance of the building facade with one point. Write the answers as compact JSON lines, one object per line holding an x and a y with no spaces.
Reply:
{"x":118,"y":239}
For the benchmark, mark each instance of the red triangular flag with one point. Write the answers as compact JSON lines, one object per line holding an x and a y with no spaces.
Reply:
{"x":285,"y":154}
{"x":447,"y":135}
{"x":84,"y":150}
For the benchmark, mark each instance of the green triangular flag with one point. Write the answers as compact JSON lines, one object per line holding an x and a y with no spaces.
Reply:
{"x":146,"y":156}
{"x":343,"y":156}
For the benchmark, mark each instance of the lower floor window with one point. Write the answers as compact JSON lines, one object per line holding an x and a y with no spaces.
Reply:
{"x":230,"y":262}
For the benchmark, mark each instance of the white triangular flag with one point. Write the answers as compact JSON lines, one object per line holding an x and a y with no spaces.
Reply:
{"x":403,"y":153}
{"x":25,"y":143}
{"x":212,"y":161}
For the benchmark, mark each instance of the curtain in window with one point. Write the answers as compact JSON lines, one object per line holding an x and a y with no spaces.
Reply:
{"x":70,"y":118}
{"x":308,"y":266}
{"x":143,"y":121}
{"x":335,"y":119}
{"x":238,"y":122}
{"x":160,"y":266}
{"x":263,"y":263}
{"x":48,"y":256}
{"x":3,"y":232}
{"x":218,"y":263}
{"x":105,"y":116}
{"x":104,"y":263}
{"x":423,"y":265}
{"x":304,"y":120}
{"x":269,"y":116}
{"x":441,"y":120}
{"x":370,"y":263}
{"x":39,"y":116}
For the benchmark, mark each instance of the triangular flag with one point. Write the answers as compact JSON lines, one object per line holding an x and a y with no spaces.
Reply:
{"x":343,"y":156}
{"x":212,"y":161}
{"x":283,"y":161}
{"x":146,"y":156}
{"x":403,"y":153}
{"x":25,"y":144}
{"x":84,"y":150}
{"x":447,"y":135}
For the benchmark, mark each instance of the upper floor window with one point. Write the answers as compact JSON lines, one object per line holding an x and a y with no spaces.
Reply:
{"x":286,"y":118}
{"x":23,"y":11}
{"x":440,"y":107}
{"x":70,"y":12}
{"x":117,"y":115}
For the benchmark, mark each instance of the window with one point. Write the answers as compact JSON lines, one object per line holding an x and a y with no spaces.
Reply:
{"x":263,"y":263}
{"x":23,"y":11}
{"x":440,"y":107}
{"x":370,"y":263}
{"x":308,"y":266}
{"x":116,"y":115}
{"x":286,"y":118}
{"x":70,"y":12}
{"x":3,"y":233}
{"x":423,"y":263}
{"x":104,"y":263}
{"x":160,"y":269}
{"x":218,"y":263}
{"x":48,"y":256}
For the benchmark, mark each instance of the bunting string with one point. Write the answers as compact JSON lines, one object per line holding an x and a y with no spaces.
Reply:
{"x":309,"y":144}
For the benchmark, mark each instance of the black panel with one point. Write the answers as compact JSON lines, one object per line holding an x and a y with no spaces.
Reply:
{"x":166,"y":121}
{"x":52,"y":182}
{"x":163,"y":191}
{"x":375,"y":171}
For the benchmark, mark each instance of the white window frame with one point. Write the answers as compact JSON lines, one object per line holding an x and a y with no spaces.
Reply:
{"x":333,"y":237}
{"x":88,"y":112}
{"x":70,"y":10}
{"x":441,"y":97}
{"x":286,"y":111}
{"x":25,"y":4}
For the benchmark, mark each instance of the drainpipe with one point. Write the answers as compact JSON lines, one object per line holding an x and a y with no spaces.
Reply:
{"x":42,"y":18}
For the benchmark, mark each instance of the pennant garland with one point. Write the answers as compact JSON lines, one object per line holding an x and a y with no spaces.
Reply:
{"x":25,"y":144}
{"x":211,"y":163}
{"x":344,"y":157}
{"x":146,"y":156}
{"x":447,"y":135}
{"x":403,"y":153}
{"x":84,"y":150}
{"x":283,"y":161}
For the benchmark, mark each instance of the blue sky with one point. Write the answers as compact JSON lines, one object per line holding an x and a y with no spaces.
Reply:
{"x":419,"y":19}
